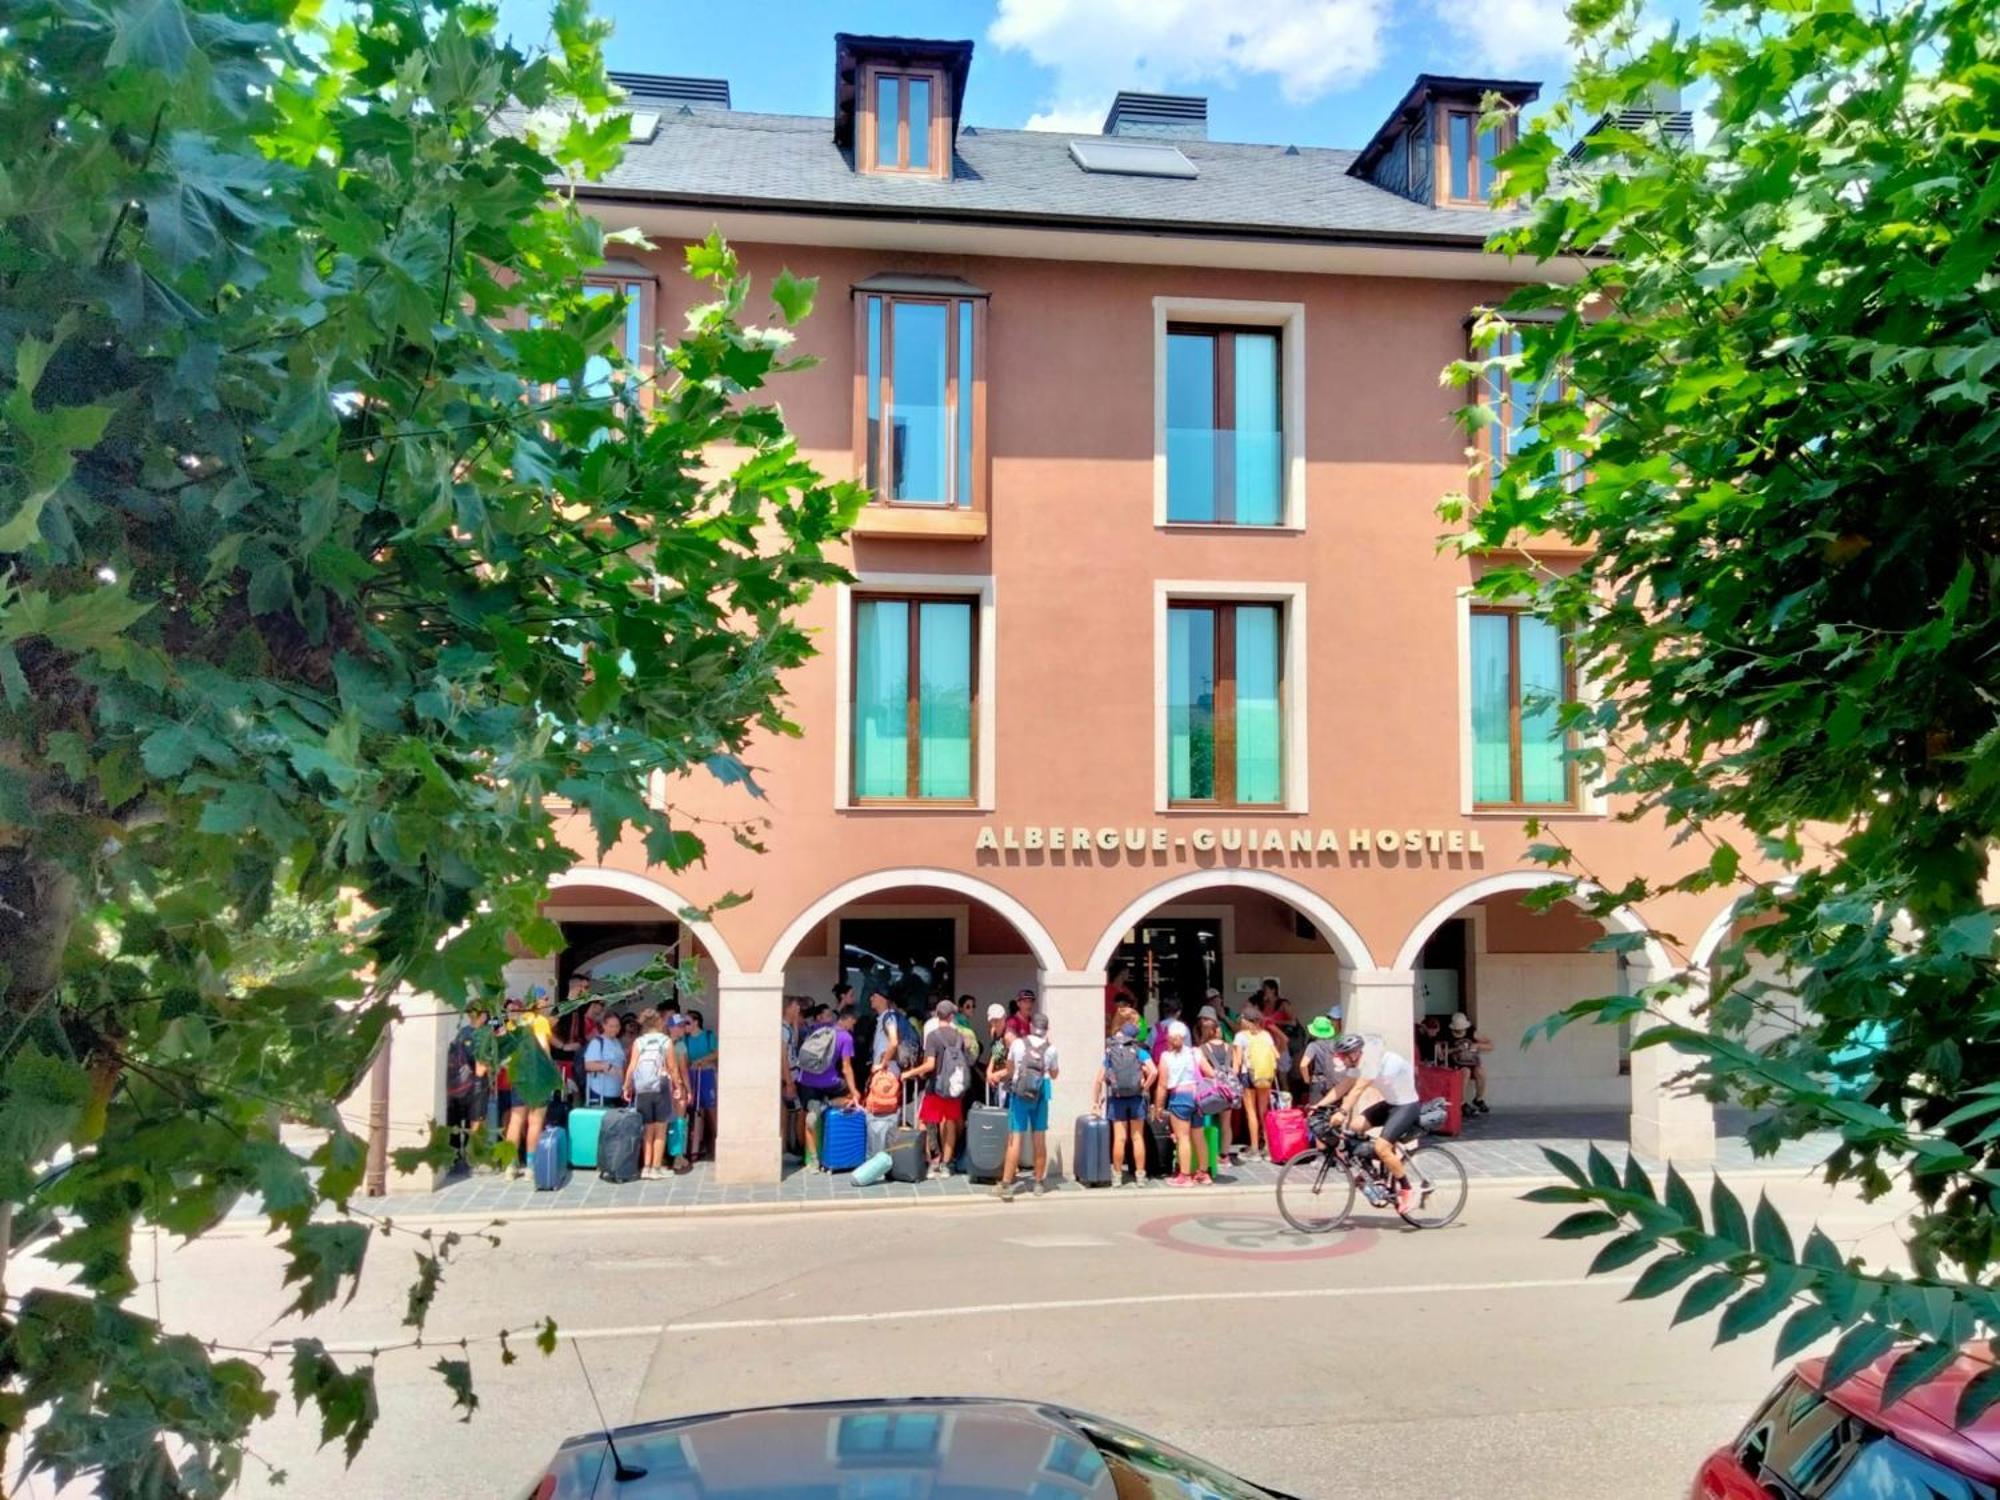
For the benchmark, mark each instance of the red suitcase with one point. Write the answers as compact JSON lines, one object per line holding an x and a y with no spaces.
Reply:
{"x":1447,"y":1084}
{"x":1285,"y":1133}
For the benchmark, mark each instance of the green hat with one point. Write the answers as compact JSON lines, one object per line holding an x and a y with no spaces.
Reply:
{"x":1320,"y":1027}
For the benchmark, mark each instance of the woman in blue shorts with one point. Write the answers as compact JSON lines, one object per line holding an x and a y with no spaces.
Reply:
{"x":1123,"y":1081}
{"x":1181,"y":1068}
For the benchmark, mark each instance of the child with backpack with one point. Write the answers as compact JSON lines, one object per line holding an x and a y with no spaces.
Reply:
{"x":947,"y":1063}
{"x":653,"y":1084}
{"x":1032,"y":1065}
{"x":1123,"y":1082}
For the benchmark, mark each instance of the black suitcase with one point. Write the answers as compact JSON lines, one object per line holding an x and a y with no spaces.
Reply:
{"x":908,"y":1160}
{"x":985,"y":1141}
{"x":1090,"y":1162}
{"x":619,"y":1143}
{"x":1161,"y":1160}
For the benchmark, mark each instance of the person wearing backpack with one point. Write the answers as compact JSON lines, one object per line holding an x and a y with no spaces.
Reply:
{"x":465,"y":1087}
{"x":1123,"y":1083}
{"x":947,"y":1063}
{"x":649,"y":1085}
{"x":1032,"y":1066}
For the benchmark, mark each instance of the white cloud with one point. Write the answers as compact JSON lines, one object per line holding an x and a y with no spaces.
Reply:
{"x":1498,"y":36}
{"x":1071,"y":119}
{"x":1097,"y":47}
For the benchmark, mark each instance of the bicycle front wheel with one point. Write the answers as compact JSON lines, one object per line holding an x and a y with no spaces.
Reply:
{"x":1314,"y":1195}
{"x":1444,"y":1174}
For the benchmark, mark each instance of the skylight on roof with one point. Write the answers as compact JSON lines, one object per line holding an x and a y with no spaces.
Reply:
{"x":1131,"y":158}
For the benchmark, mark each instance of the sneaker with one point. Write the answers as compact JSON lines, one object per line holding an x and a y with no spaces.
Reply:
{"x":1202,"y":1179}
{"x":514,"y":1172}
{"x":1406,"y":1198}
{"x":1041,"y":1187}
{"x":1180,"y":1179}
{"x":1482,"y":1106}
{"x":682,"y":1167}
{"x":1004,"y":1191}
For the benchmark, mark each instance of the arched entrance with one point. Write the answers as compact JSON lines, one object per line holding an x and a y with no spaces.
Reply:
{"x":1227,"y":931}
{"x":1485,"y":952}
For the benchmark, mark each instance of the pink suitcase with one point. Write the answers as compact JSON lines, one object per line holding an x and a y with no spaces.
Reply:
{"x":1285,"y":1133}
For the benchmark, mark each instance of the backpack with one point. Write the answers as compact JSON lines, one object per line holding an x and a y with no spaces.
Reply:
{"x":1127,"y":1078}
{"x":651,"y":1068}
{"x":907,"y":1048}
{"x":459,"y":1076}
{"x":1032,"y":1072}
{"x":954,"y":1074}
{"x":885,"y":1093}
{"x":817,"y":1051}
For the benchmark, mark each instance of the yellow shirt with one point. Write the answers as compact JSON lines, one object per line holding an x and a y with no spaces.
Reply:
{"x":543,"y":1028}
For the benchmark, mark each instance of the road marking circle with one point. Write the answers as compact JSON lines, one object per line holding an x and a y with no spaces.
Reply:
{"x":1260,"y":1237}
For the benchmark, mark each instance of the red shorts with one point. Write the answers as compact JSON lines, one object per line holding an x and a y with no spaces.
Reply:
{"x":938,"y":1110}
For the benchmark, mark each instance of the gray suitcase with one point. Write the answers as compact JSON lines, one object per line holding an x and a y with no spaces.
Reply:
{"x":985,"y":1142}
{"x":909,"y":1154}
{"x":1090,"y":1162}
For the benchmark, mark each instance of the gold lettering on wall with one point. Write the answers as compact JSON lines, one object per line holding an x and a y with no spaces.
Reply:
{"x":1096,"y":848}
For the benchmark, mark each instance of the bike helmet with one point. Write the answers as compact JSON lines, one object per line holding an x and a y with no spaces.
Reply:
{"x":1348,"y":1046}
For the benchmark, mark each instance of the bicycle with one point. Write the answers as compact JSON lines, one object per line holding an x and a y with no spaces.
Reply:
{"x":1308,"y":1184}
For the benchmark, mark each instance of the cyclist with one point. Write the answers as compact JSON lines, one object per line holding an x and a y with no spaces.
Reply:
{"x":1383,"y":1104}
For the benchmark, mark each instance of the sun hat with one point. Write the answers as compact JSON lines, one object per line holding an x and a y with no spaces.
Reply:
{"x":1461,"y":1022}
{"x":1320,"y":1027}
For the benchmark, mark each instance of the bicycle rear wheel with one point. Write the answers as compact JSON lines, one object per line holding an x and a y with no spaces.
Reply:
{"x":1314,"y":1195}
{"x":1446,"y":1176}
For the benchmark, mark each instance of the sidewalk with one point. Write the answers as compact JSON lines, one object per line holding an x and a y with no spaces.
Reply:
{"x":1494,"y":1148}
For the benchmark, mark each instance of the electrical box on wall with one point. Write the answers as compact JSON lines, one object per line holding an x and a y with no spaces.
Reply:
{"x":1247,"y":986}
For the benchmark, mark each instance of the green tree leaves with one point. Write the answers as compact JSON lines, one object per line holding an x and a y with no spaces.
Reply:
{"x":1775,"y":454}
{"x":321,"y":570}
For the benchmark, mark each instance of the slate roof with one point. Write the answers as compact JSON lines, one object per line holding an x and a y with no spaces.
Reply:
{"x":790,"y":163}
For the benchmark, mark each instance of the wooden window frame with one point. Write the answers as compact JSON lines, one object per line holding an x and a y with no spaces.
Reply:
{"x":1222,"y":412}
{"x":1572,"y":779}
{"x":1444,"y":189}
{"x":1224,"y":613}
{"x":874,"y":461}
{"x":1496,"y":393}
{"x":640,"y":364}
{"x":912,"y":696}
{"x":868,"y":153}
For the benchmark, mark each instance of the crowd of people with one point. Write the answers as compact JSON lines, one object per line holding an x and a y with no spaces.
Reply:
{"x":657,"y":1061}
{"x":936,"y":1067}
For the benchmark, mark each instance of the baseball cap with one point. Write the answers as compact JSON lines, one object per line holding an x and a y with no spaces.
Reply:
{"x":1025,"y":992}
{"x":996,"y":1012}
{"x":1208,"y":1013}
{"x":1320,"y":1027}
{"x":1040,"y":1025}
{"x":677,"y":1019}
{"x":944,"y":1010}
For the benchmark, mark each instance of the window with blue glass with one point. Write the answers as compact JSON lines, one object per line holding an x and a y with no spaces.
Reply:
{"x":1470,"y":153}
{"x":921,"y":376}
{"x":628,"y":339}
{"x":1517,"y":407}
{"x":915,"y":698}
{"x":1225,"y":426}
{"x":1225,"y":704}
{"x":1520,"y":680}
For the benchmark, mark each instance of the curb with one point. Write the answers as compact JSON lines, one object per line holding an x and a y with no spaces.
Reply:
{"x":385,"y":1208}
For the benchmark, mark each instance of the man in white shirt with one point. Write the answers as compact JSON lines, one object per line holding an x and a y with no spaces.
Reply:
{"x":1383,"y":1104}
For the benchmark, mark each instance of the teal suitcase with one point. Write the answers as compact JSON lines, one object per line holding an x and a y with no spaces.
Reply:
{"x":873,"y":1170}
{"x":584,"y":1125}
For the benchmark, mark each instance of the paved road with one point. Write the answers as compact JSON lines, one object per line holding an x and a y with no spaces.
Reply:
{"x":1473,"y":1361}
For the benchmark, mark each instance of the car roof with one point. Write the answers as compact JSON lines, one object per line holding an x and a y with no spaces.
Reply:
{"x":1926,"y":1418}
{"x":971,"y":1447}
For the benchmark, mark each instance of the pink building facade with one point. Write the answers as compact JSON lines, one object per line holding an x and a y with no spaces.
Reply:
{"x":1151,"y":654}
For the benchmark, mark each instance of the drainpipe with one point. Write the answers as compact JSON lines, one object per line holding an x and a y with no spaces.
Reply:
{"x":376,"y":1182}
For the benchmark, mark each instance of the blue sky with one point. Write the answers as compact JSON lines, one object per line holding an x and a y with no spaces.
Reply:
{"x":1311,"y":72}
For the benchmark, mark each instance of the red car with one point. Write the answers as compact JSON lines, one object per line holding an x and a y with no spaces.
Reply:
{"x":1810,"y":1443}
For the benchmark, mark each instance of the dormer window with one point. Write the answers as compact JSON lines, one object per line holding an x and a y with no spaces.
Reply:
{"x":1468,"y":174}
{"x":903,"y":134}
{"x":896,"y":102}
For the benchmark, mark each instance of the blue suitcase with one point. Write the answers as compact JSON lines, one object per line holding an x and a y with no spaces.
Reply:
{"x":583,"y":1128}
{"x":552,"y":1160}
{"x":1090,"y":1162}
{"x":843,"y":1140}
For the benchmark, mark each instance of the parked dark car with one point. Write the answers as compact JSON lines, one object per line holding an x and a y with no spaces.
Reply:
{"x":885,"y":1450}
{"x":1810,"y":1443}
